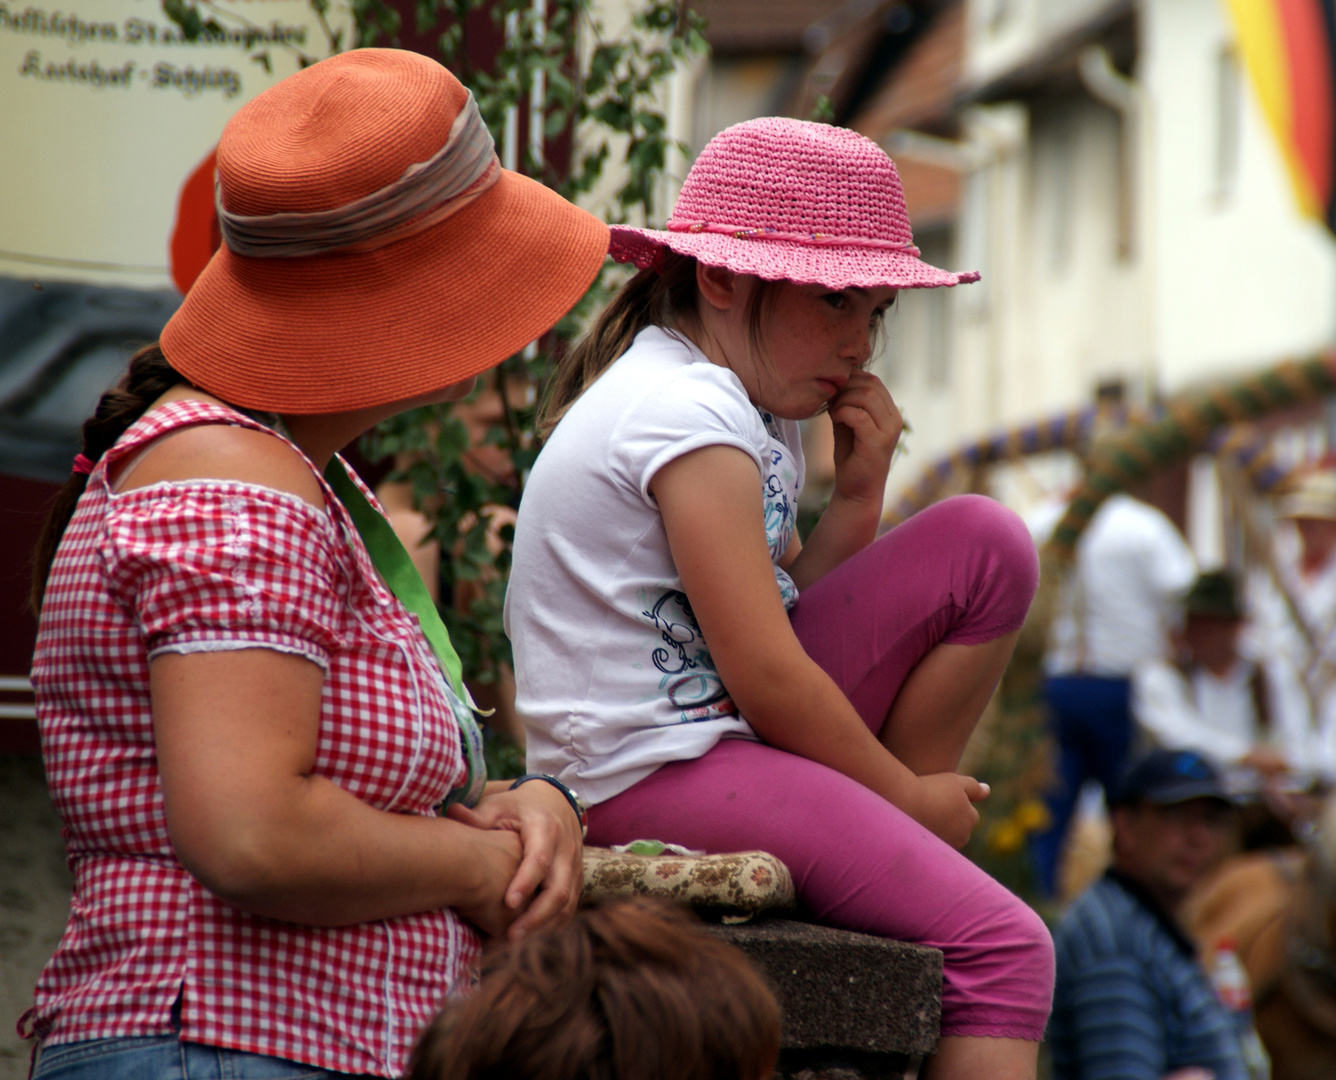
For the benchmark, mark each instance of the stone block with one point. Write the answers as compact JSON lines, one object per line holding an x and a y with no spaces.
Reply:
{"x":853,"y":1004}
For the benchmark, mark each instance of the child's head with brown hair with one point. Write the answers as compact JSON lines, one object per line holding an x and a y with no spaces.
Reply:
{"x":631,"y":991}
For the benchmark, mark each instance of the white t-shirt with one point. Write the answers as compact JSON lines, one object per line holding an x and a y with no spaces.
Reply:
{"x":1132,"y":568}
{"x":1305,"y":682}
{"x":1216,"y":716}
{"x":613,"y":678}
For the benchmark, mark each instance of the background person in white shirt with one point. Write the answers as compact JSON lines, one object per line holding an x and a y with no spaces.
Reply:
{"x":1292,"y":601}
{"x":1132,"y":566}
{"x":1222,"y":703}
{"x":1212,"y":698}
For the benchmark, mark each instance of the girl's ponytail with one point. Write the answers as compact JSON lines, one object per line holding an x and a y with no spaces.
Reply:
{"x":148,"y":377}
{"x":658,"y":296}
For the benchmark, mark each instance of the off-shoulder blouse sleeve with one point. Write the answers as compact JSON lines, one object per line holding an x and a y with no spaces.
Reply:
{"x":216,"y":566}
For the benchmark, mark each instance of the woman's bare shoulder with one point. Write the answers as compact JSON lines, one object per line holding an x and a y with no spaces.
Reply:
{"x":224,"y":452}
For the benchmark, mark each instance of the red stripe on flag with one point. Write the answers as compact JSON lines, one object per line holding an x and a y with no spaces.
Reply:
{"x":1309,"y":64}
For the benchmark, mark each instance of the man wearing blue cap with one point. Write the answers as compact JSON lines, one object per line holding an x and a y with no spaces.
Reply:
{"x":1132,"y":1000}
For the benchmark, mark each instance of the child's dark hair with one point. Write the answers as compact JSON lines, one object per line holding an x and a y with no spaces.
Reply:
{"x":633,"y":991}
{"x":147,"y":378}
{"x":663,"y":295}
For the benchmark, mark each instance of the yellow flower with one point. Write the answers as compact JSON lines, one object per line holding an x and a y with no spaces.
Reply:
{"x":1006,"y":837}
{"x":1032,"y":815}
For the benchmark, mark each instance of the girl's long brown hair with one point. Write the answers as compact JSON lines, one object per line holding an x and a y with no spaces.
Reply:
{"x":148,"y":377}
{"x":663,"y":295}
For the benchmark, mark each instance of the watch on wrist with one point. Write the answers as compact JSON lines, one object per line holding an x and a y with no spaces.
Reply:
{"x":571,"y":797}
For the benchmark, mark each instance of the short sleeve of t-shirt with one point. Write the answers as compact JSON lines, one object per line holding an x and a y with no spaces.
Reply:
{"x":211,"y":567}
{"x":700,"y":405}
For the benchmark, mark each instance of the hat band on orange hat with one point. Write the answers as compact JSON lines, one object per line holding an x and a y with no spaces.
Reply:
{"x":427,"y":194}
{"x":818,"y":238}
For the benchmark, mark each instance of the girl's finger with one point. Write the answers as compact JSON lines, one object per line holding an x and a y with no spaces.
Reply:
{"x":864,"y":426}
{"x":881,"y":410}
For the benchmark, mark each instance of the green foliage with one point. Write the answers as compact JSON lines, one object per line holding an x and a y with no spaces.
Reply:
{"x":822,"y":110}
{"x":1011,"y":752}
{"x":505,"y":760}
{"x":608,"y":91}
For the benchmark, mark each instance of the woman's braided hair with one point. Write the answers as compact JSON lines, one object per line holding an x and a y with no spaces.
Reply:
{"x":147,"y":378}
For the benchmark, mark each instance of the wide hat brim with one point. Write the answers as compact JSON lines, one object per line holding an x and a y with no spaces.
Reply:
{"x":835,"y":267}
{"x":331,"y":333}
{"x":1314,"y":506}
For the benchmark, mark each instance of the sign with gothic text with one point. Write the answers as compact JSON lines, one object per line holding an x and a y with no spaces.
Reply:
{"x":110,"y":116}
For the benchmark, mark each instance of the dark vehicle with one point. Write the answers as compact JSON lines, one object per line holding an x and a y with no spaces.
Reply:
{"x":61,"y":346}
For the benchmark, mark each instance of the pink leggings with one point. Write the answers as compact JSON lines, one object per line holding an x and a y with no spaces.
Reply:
{"x":962,"y":571}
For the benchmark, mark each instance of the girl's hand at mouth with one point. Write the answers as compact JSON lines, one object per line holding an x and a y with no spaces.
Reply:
{"x":868,"y":426}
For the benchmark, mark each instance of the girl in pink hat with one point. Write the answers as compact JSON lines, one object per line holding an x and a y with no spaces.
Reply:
{"x":703,"y":675}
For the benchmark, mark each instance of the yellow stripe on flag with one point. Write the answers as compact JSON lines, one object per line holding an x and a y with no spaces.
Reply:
{"x":1261,"y":41}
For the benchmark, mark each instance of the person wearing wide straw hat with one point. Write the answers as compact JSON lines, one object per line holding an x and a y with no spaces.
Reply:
{"x":249,"y":716}
{"x":1291,"y":598}
{"x":704,"y":676}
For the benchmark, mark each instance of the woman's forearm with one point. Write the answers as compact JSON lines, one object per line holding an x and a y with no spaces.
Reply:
{"x":317,"y":854}
{"x":236,"y":735}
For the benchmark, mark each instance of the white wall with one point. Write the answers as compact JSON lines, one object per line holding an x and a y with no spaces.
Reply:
{"x":1001,"y":33}
{"x":1242,"y":280}
{"x":1223,"y":276}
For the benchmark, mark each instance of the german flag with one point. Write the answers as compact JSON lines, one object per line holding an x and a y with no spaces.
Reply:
{"x":1289,"y":49}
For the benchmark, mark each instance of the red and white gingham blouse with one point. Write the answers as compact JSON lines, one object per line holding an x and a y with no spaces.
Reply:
{"x":202,"y":566}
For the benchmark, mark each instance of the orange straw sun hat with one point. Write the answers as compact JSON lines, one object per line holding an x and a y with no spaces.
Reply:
{"x":374,"y":249}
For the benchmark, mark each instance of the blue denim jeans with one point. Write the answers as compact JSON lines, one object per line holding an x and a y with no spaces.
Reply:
{"x":165,"y":1057}
{"x":1091,"y":719}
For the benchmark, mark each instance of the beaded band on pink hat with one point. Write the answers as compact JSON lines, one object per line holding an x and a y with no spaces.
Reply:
{"x":424,"y":196}
{"x":818,"y":239}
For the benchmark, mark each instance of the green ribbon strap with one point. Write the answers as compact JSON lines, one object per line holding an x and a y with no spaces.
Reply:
{"x":395,"y":566}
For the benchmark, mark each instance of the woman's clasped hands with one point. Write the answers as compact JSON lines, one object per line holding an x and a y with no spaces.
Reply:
{"x":530,"y":859}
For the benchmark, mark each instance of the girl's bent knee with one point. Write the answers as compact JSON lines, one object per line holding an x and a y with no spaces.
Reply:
{"x":1036,"y":942}
{"x":999,"y":561}
{"x":986,"y":524}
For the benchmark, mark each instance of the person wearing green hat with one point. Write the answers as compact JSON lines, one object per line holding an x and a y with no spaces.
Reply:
{"x":1212,"y":698}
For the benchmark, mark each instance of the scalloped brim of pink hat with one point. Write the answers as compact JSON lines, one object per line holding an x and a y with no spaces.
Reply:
{"x":793,"y":200}
{"x":833,"y":266}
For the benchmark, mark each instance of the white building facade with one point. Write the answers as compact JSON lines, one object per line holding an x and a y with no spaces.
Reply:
{"x":1130,"y":212}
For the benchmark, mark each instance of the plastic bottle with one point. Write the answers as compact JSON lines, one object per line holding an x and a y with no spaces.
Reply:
{"x":1230,"y":979}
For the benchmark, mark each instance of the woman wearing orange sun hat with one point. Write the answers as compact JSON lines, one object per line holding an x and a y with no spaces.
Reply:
{"x":248,"y":717}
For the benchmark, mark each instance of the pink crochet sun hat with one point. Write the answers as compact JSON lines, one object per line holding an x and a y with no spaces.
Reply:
{"x":792,"y":200}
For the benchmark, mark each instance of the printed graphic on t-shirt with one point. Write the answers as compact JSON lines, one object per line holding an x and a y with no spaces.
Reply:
{"x":780,"y":494}
{"x":689,"y":679}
